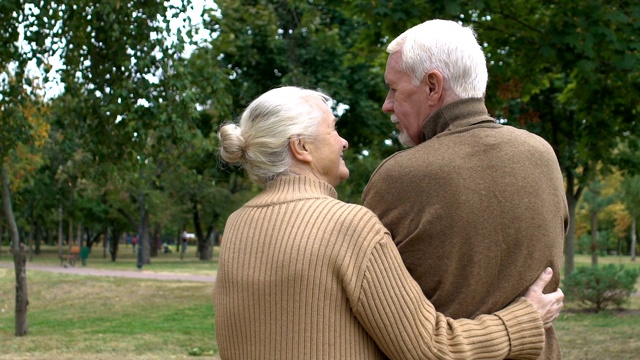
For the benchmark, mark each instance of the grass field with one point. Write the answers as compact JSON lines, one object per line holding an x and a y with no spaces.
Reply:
{"x":610,"y":335}
{"x":99,"y":318}
{"x":127,"y":260}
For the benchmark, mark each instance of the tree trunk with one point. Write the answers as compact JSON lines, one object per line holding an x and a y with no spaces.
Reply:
{"x":211,"y":241}
{"x":140,"y":262}
{"x":79,"y":235}
{"x":60,"y":231}
{"x":146,"y":242}
{"x":634,"y":239}
{"x":594,"y":238}
{"x":48,"y":236}
{"x":19,"y":258}
{"x":155,"y":240}
{"x":569,"y":244}
{"x":179,"y":239}
{"x":105,"y":244}
{"x":203,"y":243}
{"x":1,"y":230}
{"x":216,"y":238}
{"x":22,"y":300}
{"x":37,"y":239}
{"x":144,"y":257}
{"x":70,"y":240}
{"x":30,"y":242}
{"x":115,"y":242}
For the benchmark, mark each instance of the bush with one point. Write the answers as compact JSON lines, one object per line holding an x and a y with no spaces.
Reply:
{"x":597,"y":288}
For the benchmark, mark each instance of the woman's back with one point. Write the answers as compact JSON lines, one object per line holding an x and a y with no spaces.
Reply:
{"x":289,"y":270}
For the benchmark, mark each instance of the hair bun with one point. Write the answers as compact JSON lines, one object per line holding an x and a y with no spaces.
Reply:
{"x":232,"y":144}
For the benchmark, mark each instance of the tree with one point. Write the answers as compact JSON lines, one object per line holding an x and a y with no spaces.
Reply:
{"x":127,"y":87}
{"x":581,"y":86}
{"x":20,"y":109}
{"x":596,"y":202}
{"x":128,"y":138}
{"x":631,"y":197}
{"x":25,"y":116}
{"x":19,"y":258}
{"x":321,"y":45}
{"x":567,"y":71}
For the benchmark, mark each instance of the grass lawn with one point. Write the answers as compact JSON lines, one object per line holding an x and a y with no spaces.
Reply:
{"x":127,"y":259}
{"x":86,"y":317}
{"x":99,"y":318}
{"x":82,"y":317}
{"x":611,"y":334}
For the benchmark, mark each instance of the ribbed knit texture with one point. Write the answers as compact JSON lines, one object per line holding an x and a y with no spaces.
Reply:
{"x":477,"y":211}
{"x":303,"y":275}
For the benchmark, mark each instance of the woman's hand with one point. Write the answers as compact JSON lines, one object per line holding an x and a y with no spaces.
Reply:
{"x":548,"y":305}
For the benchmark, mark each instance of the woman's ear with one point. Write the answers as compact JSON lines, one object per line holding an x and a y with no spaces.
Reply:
{"x":300,"y":149}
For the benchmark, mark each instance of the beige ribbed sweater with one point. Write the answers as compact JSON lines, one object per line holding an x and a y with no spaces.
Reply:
{"x":303,"y":275}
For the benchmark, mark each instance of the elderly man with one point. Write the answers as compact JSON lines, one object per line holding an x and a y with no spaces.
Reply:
{"x":471,"y":201}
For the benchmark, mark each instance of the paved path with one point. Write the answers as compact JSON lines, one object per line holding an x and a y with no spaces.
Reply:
{"x":138,"y":274}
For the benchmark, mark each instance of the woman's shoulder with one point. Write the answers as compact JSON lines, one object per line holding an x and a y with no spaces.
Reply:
{"x":341,"y":208}
{"x":354,"y":216}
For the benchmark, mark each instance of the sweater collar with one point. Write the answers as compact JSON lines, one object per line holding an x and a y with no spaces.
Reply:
{"x":288,"y":188}
{"x":458,"y":114}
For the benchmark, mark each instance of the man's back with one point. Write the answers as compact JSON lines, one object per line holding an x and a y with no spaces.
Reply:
{"x":476,"y":212}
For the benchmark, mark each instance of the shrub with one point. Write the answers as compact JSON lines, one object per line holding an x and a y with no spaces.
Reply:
{"x":599,"y":287}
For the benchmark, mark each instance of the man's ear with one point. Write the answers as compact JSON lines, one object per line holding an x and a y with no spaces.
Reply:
{"x":300,"y":149}
{"x":433,"y":82}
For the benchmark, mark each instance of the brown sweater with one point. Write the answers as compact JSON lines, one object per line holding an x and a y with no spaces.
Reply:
{"x":477,"y":211}
{"x":303,"y":275}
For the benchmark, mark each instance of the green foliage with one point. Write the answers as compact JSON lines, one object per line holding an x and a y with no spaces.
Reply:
{"x":630,"y":195}
{"x":599,"y":287}
{"x":583,"y":245}
{"x":267,"y":43}
{"x":127,"y":112}
{"x":127,"y":123}
{"x":568,"y":72}
{"x":20,"y":103}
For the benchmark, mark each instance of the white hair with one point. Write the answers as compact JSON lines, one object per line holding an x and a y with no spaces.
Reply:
{"x":448,"y":47}
{"x":259,"y":142}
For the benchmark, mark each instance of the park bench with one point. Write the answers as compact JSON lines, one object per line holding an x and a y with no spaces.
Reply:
{"x":71,"y":257}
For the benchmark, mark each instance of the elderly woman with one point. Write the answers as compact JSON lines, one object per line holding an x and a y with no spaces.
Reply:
{"x":303,"y":275}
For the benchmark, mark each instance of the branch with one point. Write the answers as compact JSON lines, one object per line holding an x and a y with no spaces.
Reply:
{"x":128,"y":217}
{"x":516,"y":19}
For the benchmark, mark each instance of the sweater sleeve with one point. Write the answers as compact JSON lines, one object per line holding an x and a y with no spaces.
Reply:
{"x":405,"y":325}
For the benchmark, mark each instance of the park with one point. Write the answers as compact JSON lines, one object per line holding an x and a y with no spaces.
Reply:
{"x":110,"y":112}
{"x":75,"y":316}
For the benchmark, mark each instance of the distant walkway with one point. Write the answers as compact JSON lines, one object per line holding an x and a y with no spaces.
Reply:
{"x":137,"y":274}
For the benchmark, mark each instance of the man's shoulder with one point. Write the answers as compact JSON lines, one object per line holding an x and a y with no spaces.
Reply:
{"x":385,"y":170}
{"x":524,"y":134}
{"x":395,"y":172}
{"x":399,"y":159}
{"x":530,"y":143}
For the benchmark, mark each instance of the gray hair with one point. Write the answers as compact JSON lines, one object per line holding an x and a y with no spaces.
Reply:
{"x":448,"y":47}
{"x":259,"y":142}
